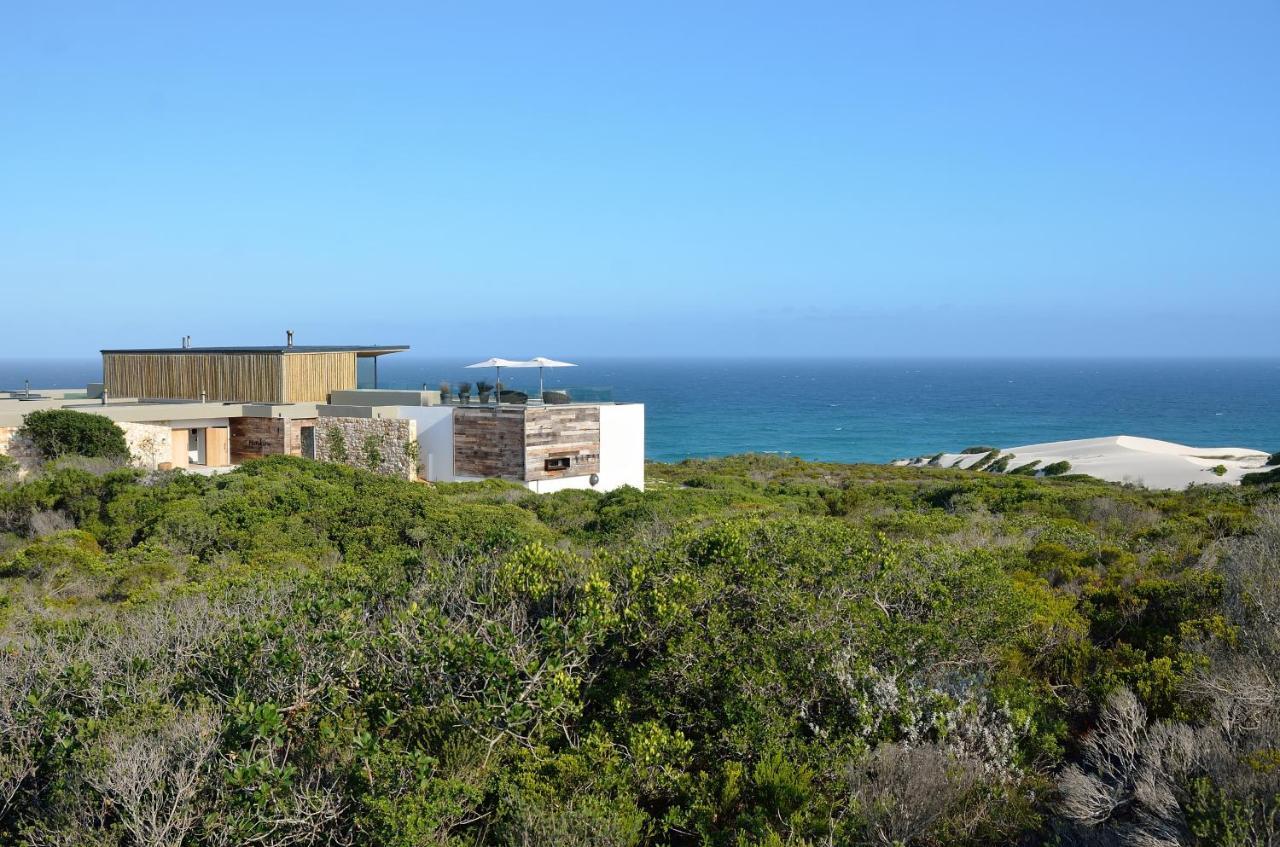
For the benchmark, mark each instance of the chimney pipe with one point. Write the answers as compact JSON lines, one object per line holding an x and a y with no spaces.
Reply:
{"x":288,"y":335}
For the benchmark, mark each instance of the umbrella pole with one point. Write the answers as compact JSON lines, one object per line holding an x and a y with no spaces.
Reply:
{"x":541,"y":391}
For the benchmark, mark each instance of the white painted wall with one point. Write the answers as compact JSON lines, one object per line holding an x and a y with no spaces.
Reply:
{"x":435,"y":440}
{"x":621,"y":446}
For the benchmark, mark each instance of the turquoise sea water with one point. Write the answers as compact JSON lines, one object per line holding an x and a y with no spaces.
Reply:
{"x":860,"y":410}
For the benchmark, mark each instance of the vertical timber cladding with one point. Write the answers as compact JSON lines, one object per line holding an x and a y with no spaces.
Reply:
{"x":310,"y":377}
{"x":240,"y":377}
{"x":529,"y":443}
{"x":235,"y":377}
{"x":554,"y":434}
{"x":488,"y":444}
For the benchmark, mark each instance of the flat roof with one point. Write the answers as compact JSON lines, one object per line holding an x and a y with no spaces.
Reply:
{"x":358,"y":349}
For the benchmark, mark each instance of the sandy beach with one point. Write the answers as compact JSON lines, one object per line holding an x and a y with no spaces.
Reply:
{"x":1122,"y":458}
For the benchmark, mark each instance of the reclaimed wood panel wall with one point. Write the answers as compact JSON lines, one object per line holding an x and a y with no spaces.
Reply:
{"x":487,"y":444}
{"x":561,"y":432}
{"x":516,"y":442}
{"x":309,"y":377}
{"x":253,"y":438}
{"x":236,"y":377}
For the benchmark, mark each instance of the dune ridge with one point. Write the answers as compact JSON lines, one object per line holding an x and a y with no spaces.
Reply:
{"x":1121,"y":458}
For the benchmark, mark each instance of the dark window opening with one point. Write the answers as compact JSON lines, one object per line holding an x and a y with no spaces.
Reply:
{"x":308,"y":438}
{"x":558,"y":464}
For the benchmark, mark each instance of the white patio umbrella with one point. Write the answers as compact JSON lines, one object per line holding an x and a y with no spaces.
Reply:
{"x":541,"y":362}
{"x":497,"y":365}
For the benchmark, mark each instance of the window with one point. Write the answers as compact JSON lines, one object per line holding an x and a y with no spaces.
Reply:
{"x":560,"y":463}
{"x":307,"y":435}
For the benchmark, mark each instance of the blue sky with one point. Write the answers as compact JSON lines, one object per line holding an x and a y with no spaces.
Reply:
{"x":585,"y":179}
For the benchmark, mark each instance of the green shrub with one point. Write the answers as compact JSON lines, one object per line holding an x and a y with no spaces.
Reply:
{"x":337,"y":447}
{"x":1029,"y":469}
{"x":8,"y":468}
{"x":1219,"y":470}
{"x":984,"y":461}
{"x":975,"y":450}
{"x":1057,"y":468}
{"x":1000,"y":465}
{"x":63,"y":432}
{"x":1274,"y":459}
{"x":1261,"y":477}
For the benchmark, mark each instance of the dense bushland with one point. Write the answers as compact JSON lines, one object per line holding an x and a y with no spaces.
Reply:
{"x":753,"y":651}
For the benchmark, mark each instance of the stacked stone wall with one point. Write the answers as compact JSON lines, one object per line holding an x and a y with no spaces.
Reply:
{"x":383,"y":445}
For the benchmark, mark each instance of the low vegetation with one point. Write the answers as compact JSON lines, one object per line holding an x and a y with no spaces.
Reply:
{"x":754,"y":651}
{"x":63,"y":432}
{"x":1056,"y":468}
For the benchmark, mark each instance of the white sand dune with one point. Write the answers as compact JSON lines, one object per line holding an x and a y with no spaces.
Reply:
{"x":1125,"y":458}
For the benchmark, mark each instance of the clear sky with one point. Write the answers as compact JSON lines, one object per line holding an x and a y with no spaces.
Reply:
{"x":786,"y":178}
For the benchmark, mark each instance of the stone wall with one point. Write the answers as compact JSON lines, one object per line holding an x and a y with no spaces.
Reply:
{"x":20,"y":450}
{"x":149,"y":445}
{"x":383,"y":445}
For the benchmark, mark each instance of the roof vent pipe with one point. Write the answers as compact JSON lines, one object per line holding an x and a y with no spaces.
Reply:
{"x":288,"y":337}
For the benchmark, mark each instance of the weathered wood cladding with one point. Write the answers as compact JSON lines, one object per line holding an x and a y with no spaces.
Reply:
{"x":516,"y":442}
{"x":310,"y":377}
{"x":230,"y":376}
{"x":236,"y":377}
{"x":561,"y":432}
{"x":253,"y":438}
{"x":486,"y":444}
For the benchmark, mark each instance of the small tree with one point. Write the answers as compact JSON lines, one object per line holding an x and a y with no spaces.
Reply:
{"x":62,"y":432}
{"x":1057,"y":468}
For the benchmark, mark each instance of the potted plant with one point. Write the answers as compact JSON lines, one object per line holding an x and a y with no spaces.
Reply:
{"x":445,"y":392}
{"x":464,"y":392}
{"x":484,"y":389}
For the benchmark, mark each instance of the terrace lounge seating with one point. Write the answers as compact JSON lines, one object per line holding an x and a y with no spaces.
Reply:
{"x":555,"y":398}
{"x":517,"y":397}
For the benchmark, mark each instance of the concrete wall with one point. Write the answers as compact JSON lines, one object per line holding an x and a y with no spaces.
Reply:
{"x":384,"y":397}
{"x":348,"y":441}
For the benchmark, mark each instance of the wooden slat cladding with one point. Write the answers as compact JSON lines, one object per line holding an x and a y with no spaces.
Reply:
{"x":309,"y":377}
{"x":516,"y":442}
{"x":229,"y":377}
{"x":487,"y":444}
{"x":561,"y":432}
{"x":240,"y":377}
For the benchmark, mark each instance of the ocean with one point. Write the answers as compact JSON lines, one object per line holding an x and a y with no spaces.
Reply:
{"x":872,"y":410}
